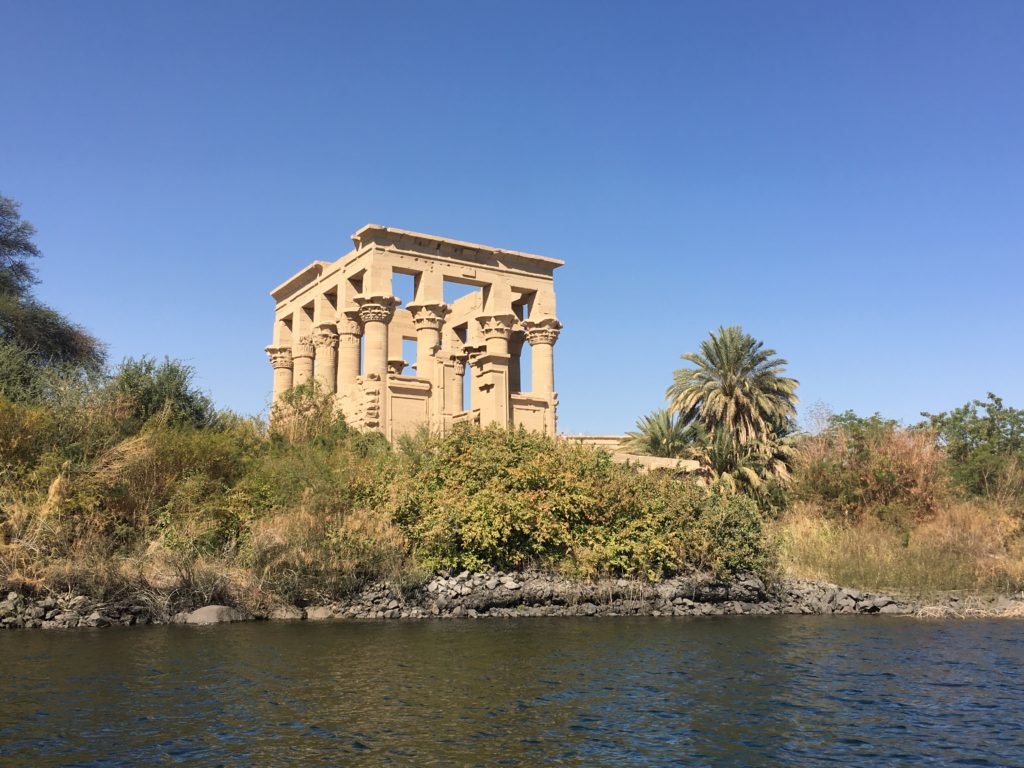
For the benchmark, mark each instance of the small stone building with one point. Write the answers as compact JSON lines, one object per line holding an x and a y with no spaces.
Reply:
{"x":341,"y":324}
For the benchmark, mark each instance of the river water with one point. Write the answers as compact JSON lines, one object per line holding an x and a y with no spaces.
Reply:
{"x":726,"y":691}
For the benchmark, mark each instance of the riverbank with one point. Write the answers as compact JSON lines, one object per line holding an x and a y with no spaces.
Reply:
{"x":497,"y":594}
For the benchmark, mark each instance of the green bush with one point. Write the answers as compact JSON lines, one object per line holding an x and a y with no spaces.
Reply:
{"x":984,"y":443}
{"x":506,"y":499}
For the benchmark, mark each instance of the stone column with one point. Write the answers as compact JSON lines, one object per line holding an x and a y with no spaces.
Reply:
{"x":302,"y":355}
{"x":325,"y":364}
{"x":376,"y":313}
{"x":349,"y":333}
{"x":428,"y":319}
{"x":458,"y":387}
{"x":281,"y":360}
{"x":497,"y":329}
{"x":542,"y":335}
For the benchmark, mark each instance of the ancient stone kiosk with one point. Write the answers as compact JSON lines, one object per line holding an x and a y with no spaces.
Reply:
{"x":341,"y":324}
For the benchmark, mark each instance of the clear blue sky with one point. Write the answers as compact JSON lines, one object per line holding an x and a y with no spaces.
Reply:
{"x":846,"y":181}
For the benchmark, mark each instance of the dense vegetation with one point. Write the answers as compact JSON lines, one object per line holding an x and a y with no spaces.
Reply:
{"x":131,"y":481}
{"x":863,"y":501}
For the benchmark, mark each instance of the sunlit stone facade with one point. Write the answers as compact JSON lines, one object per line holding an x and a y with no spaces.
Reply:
{"x":341,"y":324}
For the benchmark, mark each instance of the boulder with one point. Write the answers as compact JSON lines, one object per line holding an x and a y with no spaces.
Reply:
{"x":286,"y":613}
{"x":212,"y":614}
{"x":319,"y":613}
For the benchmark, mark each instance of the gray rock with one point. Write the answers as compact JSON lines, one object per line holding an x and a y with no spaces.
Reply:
{"x":97,"y":619}
{"x":891,"y":608}
{"x":588,"y":609}
{"x":286,"y":613}
{"x":881,"y":602}
{"x":213,"y":614}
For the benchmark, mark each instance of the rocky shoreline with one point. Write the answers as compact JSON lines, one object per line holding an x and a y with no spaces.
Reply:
{"x":495,"y":594}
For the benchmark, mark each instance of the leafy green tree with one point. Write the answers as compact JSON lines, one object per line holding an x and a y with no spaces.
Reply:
{"x":44,"y":334}
{"x":142,"y":389}
{"x":737,"y":387}
{"x":984,"y":442}
{"x":662,"y":433}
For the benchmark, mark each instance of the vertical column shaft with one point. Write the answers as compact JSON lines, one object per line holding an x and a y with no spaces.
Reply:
{"x":543,"y":368}
{"x":326,"y":361}
{"x":349,"y":333}
{"x":281,"y":360}
{"x":302,"y":355}
{"x":428,"y":319}
{"x":376,"y":312}
{"x":542,"y":336}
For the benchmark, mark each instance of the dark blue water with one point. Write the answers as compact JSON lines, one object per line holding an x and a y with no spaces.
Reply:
{"x":729,"y":691}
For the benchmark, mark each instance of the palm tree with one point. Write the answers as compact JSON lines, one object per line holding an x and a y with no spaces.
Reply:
{"x":749,"y":468}
{"x":737,"y":387}
{"x":661,"y":433}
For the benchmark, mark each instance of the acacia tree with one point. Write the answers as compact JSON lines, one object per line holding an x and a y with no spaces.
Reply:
{"x":42,"y":335}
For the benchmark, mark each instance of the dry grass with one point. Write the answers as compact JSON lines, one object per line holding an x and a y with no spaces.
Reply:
{"x":971,"y":546}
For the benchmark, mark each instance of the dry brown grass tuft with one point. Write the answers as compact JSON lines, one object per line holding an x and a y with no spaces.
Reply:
{"x":971,"y":546}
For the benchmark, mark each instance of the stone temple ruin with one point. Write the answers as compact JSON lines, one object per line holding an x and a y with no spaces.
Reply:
{"x":341,"y":324}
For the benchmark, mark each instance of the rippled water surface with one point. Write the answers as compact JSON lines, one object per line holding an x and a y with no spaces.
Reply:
{"x":741,"y":691}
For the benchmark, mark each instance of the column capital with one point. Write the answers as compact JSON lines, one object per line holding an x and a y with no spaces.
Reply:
{"x":497,"y":326}
{"x":428,"y":315}
{"x":376,"y":309}
{"x":325,"y":335}
{"x":348,"y":323}
{"x":280,"y":357}
{"x":544,"y":331}
{"x":304,"y":348}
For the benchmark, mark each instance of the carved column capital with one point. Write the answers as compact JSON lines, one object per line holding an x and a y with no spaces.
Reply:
{"x":542,"y":331}
{"x":280,"y":357}
{"x":497,"y":326}
{"x":304,"y":348}
{"x":348,"y":323}
{"x":325,"y":336}
{"x":428,"y":315}
{"x":376,"y":309}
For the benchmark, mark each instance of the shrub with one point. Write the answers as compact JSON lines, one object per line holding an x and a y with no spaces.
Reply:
{"x":984,"y":443}
{"x":506,"y":499}
{"x":861,"y":466}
